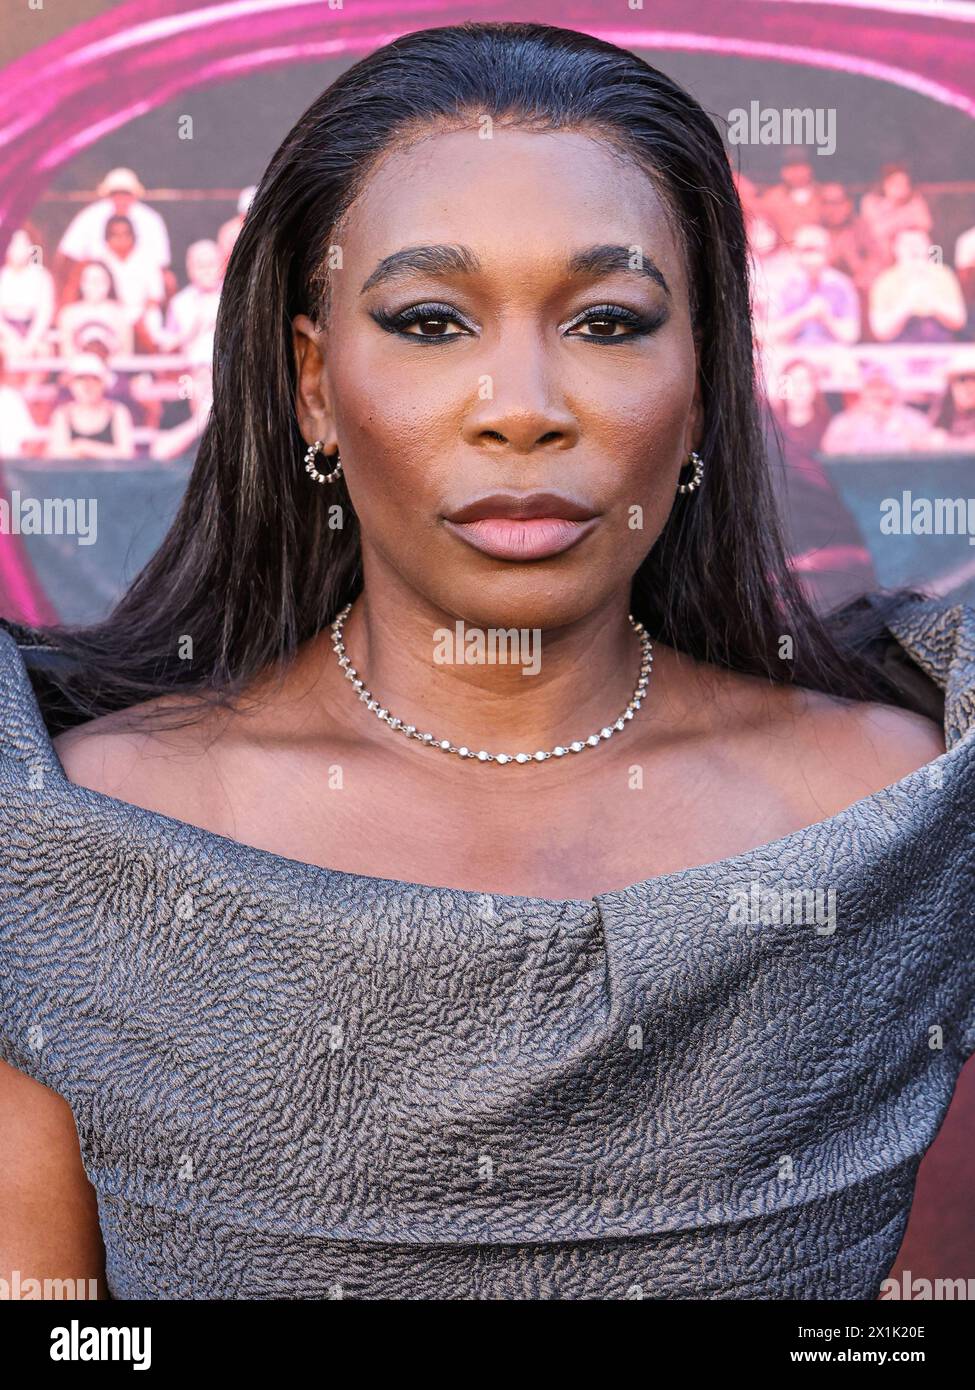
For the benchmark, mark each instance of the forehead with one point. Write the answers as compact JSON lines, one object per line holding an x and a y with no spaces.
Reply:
{"x":522,"y":201}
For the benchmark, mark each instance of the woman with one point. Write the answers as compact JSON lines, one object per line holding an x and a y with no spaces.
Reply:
{"x":26,"y":296}
{"x":89,"y":426}
{"x":95,"y":314}
{"x":824,"y":542}
{"x":21,"y":594}
{"x":20,"y":434}
{"x":952,"y":415}
{"x":917,"y":299}
{"x":370,"y":1010}
{"x":197,"y":389}
{"x":893,"y":204}
{"x":138,"y":279}
{"x":771,"y":264}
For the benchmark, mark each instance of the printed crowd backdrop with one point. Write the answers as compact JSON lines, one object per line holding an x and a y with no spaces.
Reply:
{"x":132,"y":136}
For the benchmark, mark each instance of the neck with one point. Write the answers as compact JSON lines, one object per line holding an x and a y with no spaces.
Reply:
{"x":488,"y":681}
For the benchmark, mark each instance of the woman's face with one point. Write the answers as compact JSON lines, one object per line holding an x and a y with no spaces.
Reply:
{"x":963,"y":390}
{"x":511,"y":377}
{"x":94,"y":284}
{"x":19,"y":249}
{"x":87,"y":390}
{"x":897,"y":186}
{"x":800,"y":385}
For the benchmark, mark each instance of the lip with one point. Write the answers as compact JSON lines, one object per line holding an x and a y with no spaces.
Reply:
{"x":522,"y":506}
{"x":522,"y":526}
{"x":527,"y":526}
{"x":530,"y":538}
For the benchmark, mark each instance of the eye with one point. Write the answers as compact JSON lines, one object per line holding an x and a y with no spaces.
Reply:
{"x":440,"y":316}
{"x":421,"y":316}
{"x":613,"y":316}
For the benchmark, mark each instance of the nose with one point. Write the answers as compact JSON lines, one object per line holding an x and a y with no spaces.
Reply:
{"x":525,"y":406}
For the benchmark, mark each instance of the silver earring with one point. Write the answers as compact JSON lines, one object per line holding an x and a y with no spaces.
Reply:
{"x":695,"y":458}
{"x":312,"y":471}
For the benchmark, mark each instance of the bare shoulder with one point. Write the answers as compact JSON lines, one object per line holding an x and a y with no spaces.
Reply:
{"x":835,"y":751}
{"x":818,"y":751}
{"x":187,"y":757}
{"x":877,"y":743}
{"x":119,"y":755}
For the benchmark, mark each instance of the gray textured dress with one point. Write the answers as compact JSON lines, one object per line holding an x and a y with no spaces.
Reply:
{"x":294,"y":1082}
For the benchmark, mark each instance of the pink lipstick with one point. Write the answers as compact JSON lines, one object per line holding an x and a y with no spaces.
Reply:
{"x":526,"y":526}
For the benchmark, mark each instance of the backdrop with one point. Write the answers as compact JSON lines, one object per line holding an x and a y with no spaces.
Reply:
{"x":131,"y":135}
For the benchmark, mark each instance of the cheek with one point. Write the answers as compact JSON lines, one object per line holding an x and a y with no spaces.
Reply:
{"x":644,"y":433}
{"x":391,"y":433}
{"x":379,"y":398}
{"x":641,"y":419}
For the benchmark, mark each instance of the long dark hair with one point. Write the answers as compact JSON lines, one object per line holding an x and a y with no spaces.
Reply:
{"x":944,"y":410}
{"x":250,"y":567}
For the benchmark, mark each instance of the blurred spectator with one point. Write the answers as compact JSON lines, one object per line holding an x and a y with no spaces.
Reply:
{"x":96,"y":315}
{"x":770,"y":262}
{"x":877,"y":422}
{"x":965,"y":270}
{"x":133,"y":390}
{"x":815,"y":304}
{"x":138,"y":280}
{"x":953,"y":416}
{"x":917,"y":300}
{"x":852,"y":248}
{"x":795,"y":201}
{"x":119,"y":195}
{"x":89,"y":426}
{"x":230,"y":230}
{"x":171,"y":443}
{"x":26,"y":297}
{"x":893,"y":205}
{"x":802,"y":413}
{"x":748,"y":194}
{"x":825,"y":544}
{"x":192,"y":313}
{"x":18,"y":432}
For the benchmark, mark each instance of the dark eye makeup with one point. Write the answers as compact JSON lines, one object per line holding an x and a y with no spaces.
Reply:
{"x":639,"y":325}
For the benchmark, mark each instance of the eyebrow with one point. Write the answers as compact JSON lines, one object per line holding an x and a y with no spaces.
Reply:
{"x":604,"y":259}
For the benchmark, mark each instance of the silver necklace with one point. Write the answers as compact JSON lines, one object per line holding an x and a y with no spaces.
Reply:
{"x":410,"y":730}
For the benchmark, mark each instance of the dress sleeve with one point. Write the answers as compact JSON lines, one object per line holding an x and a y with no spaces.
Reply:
{"x":36,"y":985}
{"x":35,"y":1034}
{"x":24,"y":1033}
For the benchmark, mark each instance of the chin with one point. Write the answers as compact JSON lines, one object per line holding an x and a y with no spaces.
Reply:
{"x":539,"y":599}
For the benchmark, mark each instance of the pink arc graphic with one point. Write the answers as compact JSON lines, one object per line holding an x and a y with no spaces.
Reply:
{"x":59,"y":99}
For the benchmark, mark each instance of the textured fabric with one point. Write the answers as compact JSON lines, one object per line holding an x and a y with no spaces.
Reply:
{"x":297,"y":1082}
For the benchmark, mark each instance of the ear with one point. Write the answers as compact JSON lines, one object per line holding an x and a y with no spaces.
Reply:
{"x":312,"y":404}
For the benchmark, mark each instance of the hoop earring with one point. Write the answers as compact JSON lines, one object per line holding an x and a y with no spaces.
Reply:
{"x":695,"y":458}
{"x":313,"y":472}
